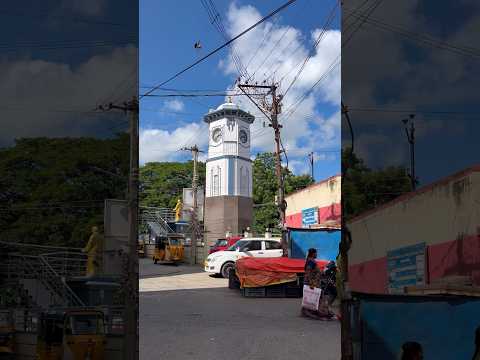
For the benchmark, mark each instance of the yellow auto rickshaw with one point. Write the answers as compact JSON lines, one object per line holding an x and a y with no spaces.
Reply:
{"x":7,"y":334}
{"x":168,"y":249}
{"x":71,"y":335}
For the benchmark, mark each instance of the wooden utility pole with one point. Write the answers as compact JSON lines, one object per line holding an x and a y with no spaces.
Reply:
{"x":130,"y":314}
{"x":310,"y":157}
{"x":195,"y":231}
{"x":411,"y":140}
{"x":274,"y":110}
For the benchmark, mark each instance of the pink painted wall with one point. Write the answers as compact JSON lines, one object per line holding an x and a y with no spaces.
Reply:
{"x":457,"y":257}
{"x":326,"y":213}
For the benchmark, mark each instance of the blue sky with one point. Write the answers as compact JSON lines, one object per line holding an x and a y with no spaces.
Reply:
{"x":168,"y":31}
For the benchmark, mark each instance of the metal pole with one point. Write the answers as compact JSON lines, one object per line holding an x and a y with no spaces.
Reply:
{"x":412,"y":154}
{"x":131,"y":303}
{"x":194,"y":213}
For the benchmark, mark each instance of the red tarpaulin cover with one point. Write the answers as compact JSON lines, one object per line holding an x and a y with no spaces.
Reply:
{"x":258,"y":272}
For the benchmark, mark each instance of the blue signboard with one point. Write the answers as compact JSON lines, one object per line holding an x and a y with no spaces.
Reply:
{"x":406,"y":267}
{"x":310,"y":216}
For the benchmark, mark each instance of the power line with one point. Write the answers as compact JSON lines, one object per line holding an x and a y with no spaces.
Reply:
{"x":216,"y":20}
{"x":422,"y":38}
{"x":320,"y":37}
{"x":295,"y":106}
{"x":221,"y":46}
{"x":364,"y":18}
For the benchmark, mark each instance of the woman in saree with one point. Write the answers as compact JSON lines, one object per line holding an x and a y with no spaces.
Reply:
{"x":313,"y":279}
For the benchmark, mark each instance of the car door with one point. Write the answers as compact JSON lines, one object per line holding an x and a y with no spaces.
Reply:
{"x":254,"y":248}
{"x":272,"y":248}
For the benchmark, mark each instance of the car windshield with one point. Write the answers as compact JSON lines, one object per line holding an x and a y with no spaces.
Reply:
{"x":239,"y":245}
{"x":221,"y":242}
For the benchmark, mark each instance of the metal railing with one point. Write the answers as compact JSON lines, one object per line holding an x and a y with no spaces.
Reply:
{"x":66,"y":263}
{"x":37,"y":267}
{"x":157,"y":220}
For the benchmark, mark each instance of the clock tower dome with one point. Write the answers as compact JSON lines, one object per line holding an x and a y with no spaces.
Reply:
{"x":228,"y":188}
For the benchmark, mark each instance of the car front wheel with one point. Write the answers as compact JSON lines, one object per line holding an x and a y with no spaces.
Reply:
{"x":226,"y":269}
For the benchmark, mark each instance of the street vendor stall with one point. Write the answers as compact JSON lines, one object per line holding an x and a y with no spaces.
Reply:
{"x":259,"y":272}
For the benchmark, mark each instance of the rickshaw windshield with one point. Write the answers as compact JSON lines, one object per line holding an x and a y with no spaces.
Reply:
{"x":88,"y":324}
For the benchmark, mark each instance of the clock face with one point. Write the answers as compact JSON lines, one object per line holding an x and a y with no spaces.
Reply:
{"x":243,"y":136}
{"x":217,"y":135}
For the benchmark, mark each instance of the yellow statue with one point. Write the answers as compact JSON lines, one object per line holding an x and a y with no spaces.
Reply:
{"x":178,"y":210}
{"x":94,"y":251}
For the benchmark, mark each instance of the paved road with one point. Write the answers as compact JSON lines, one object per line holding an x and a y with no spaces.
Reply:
{"x":204,"y":320}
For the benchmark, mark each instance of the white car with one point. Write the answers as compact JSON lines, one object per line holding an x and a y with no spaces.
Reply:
{"x":221,"y":262}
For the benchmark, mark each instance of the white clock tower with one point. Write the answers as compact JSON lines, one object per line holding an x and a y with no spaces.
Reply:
{"x":228,"y":188}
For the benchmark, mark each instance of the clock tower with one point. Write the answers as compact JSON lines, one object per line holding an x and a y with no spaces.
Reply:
{"x":228,"y":182}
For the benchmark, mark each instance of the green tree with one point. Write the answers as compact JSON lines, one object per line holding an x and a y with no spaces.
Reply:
{"x":364,"y":189}
{"x":162,"y":183}
{"x":53,"y":190}
{"x":265,"y":188}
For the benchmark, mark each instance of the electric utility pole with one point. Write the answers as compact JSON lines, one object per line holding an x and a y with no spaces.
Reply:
{"x":310,"y":157}
{"x":130,"y":315}
{"x":411,"y":140}
{"x":195,"y":227}
{"x":274,"y":110}
{"x":344,"y":247}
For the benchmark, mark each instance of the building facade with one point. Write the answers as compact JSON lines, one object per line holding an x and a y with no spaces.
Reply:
{"x":419,"y":238}
{"x":228,"y":183}
{"x":316,"y":205}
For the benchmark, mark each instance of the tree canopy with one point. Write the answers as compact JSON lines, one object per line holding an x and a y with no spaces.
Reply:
{"x":162,"y":183}
{"x":265,"y":188}
{"x":53,"y":190}
{"x":364,"y":188}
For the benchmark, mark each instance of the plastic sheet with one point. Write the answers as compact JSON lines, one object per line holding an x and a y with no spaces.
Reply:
{"x":258,"y":272}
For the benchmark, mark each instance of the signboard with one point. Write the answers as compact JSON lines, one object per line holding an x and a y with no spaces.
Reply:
{"x":309,"y":216}
{"x":406,"y":267}
{"x":188,"y":203}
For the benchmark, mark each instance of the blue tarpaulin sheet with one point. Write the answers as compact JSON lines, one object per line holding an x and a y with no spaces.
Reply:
{"x":444,"y":326}
{"x":325,"y":241}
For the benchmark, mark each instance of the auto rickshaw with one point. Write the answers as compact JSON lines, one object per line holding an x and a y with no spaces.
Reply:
{"x":71,"y":335}
{"x":7,"y":334}
{"x":168,"y":249}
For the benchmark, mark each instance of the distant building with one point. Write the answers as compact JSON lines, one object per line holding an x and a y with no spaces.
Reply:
{"x":316,"y":205}
{"x":419,"y":238}
{"x":228,"y":184}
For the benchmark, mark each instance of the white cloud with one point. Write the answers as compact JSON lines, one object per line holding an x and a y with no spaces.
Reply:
{"x":41,"y":110}
{"x":164,"y":145}
{"x":174,"y":105}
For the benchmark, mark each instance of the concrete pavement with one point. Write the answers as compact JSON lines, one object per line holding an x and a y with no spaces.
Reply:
{"x":204,"y":320}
